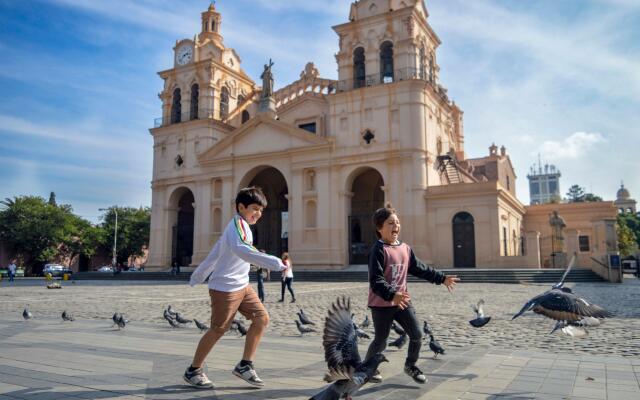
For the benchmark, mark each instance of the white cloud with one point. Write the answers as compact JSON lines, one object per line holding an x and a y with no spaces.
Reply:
{"x":572,"y":147}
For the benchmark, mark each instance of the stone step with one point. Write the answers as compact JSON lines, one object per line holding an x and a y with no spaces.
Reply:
{"x":466,"y":275}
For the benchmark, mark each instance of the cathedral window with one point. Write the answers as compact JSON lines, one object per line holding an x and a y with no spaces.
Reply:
{"x":368,"y":136}
{"x":359,"y":71}
{"x":176,"y":107}
{"x":245,"y":116}
{"x":224,"y":102}
{"x":310,"y":127}
{"x":386,"y":62}
{"x":195,"y":93}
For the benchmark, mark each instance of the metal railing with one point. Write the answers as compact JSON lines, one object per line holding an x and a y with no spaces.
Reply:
{"x":185,"y":117}
{"x":401,"y":74}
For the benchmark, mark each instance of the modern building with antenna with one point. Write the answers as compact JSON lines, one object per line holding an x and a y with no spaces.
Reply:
{"x":544,"y":183}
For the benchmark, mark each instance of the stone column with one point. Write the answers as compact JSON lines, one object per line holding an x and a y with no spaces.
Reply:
{"x":532,"y":249}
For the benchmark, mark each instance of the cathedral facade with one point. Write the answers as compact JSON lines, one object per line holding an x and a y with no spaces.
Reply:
{"x":330,"y":152}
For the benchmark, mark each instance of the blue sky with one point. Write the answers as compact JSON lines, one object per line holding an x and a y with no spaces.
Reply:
{"x":79,"y":84}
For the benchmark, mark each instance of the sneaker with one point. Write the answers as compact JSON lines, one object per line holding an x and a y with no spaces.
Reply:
{"x":248,"y":374}
{"x":293,"y":301}
{"x":197,"y":378}
{"x":376,"y":377}
{"x":415,"y":373}
{"x":281,"y":301}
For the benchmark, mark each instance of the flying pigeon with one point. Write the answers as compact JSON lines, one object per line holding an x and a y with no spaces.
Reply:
{"x":576,"y":328}
{"x":304,"y":329}
{"x":200,"y":325}
{"x":304,"y":319}
{"x":122,"y":322}
{"x":182,"y":320}
{"x":480,"y":320}
{"x":365,"y":323}
{"x":26,"y":314}
{"x":238,"y":326}
{"x":435,"y":346}
{"x":399,"y":342}
{"x":397,"y":329}
{"x":360,"y":333}
{"x":172,"y":322}
{"x":67,"y":317}
{"x":347,"y":373}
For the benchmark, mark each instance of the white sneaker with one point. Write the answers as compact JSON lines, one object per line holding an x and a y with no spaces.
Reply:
{"x":248,"y":374}
{"x":198,"y":379}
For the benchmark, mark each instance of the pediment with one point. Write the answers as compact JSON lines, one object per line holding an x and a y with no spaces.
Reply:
{"x":262,"y":135}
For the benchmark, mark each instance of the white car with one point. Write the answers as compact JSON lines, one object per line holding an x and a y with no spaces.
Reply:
{"x":106,"y":268}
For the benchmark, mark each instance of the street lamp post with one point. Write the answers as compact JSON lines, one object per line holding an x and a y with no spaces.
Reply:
{"x":115,"y":238}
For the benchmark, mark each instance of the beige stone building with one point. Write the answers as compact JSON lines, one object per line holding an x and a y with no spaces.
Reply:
{"x":331,"y":153}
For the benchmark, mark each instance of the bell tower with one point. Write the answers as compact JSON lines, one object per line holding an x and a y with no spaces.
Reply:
{"x":211,"y":20}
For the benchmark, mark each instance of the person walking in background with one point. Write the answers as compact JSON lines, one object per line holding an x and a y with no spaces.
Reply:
{"x":260,"y":278}
{"x":287,"y":278}
{"x":12,"y":270}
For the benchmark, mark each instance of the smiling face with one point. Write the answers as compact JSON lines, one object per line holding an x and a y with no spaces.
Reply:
{"x":251,"y":213}
{"x":390,"y":229}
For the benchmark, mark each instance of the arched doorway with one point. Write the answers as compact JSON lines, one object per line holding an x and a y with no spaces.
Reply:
{"x":464,"y":243}
{"x":367,"y":198}
{"x":271,"y":233}
{"x":182,"y":243}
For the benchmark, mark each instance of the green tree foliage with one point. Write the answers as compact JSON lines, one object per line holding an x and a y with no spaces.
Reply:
{"x":590,"y":197}
{"x":134,"y":226}
{"x":632,"y":221}
{"x":37,"y":231}
{"x":575,"y":194}
{"x":627,"y":240}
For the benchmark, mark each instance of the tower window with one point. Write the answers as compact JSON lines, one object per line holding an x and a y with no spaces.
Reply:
{"x":176,"y":107}
{"x":245,"y":116}
{"x":195,"y":93}
{"x":386,"y":62}
{"x":359,"y":71}
{"x":310,"y":127}
{"x":224,"y":102}
{"x":508,"y":183}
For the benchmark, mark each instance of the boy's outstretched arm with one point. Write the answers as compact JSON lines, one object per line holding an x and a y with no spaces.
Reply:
{"x":427,"y":272}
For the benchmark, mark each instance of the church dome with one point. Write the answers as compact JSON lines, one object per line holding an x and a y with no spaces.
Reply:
{"x":623,"y":193}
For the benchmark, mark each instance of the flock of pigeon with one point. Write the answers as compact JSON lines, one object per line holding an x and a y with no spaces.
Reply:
{"x":347,"y":372}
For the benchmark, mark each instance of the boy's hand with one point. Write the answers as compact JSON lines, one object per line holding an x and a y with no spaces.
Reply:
{"x":450,"y":282}
{"x":401,"y":299}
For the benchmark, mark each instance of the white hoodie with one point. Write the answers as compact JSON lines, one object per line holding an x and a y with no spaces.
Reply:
{"x":227,"y":265}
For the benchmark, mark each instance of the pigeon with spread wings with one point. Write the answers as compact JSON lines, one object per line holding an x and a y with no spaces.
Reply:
{"x":347,"y":373}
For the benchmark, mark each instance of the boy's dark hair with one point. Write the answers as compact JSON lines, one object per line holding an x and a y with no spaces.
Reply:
{"x":381,"y":215}
{"x":251,"y":195}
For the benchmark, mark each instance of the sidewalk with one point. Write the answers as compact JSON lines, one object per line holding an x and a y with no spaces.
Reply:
{"x":88,"y":359}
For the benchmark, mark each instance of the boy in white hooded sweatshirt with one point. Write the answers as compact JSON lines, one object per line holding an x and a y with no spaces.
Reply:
{"x":227,"y":269}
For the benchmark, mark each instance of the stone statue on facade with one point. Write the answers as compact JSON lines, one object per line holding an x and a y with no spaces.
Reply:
{"x":267,"y":80}
{"x":557,"y":238}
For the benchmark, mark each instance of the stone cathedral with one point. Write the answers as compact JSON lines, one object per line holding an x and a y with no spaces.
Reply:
{"x":327,"y":153}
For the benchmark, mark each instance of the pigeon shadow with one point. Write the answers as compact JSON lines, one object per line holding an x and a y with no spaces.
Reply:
{"x":386,"y":386}
{"x":467,"y":377}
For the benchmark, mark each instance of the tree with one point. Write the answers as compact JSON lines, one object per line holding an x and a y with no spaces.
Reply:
{"x":37,"y":232}
{"x":590,"y":197}
{"x":627,"y":240}
{"x":575,"y":194}
{"x":632,"y":221}
{"x":134,"y":225}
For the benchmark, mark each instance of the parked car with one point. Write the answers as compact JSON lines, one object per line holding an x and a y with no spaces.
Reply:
{"x":56,"y":270}
{"x":106,"y":268}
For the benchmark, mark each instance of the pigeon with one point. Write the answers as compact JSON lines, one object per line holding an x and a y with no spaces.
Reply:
{"x":426,"y":329}
{"x":67,"y":317}
{"x":576,"y":328}
{"x":435,"y":346}
{"x":303,"y":329}
{"x":347,"y":373}
{"x":360,"y":333}
{"x":167,"y":315}
{"x":171,"y":311}
{"x":399,"y":342}
{"x":182,"y":320}
{"x":26,"y":314}
{"x":116,"y":316}
{"x":480,"y":320}
{"x":365,"y":323}
{"x":397,"y":329}
{"x":304,"y":319}
{"x":200,"y":325}
{"x":122,"y":322}
{"x":172,"y":322}
{"x":238,"y":326}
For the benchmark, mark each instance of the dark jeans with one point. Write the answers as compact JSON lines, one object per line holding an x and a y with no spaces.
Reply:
{"x":287,"y":282}
{"x":260,"y":287}
{"x":12,"y":275}
{"x":382,"y":319}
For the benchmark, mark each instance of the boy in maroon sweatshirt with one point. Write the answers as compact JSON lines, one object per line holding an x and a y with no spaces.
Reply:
{"x":389,"y":262}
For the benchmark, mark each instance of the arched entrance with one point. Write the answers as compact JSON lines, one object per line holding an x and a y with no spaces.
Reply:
{"x":268,"y":233}
{"x":464,"y":243}
{"x":367,"y":198}
{"x":182,"y":231}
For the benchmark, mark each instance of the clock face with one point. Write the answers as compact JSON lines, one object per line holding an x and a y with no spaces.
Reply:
{"x":184,"y":55}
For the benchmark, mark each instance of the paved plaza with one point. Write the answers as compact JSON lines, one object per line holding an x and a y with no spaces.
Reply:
{"x":45,"y":358}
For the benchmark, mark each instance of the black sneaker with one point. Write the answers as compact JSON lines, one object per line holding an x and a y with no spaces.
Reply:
{"x":293,"y":301}
{"x":197,"y":378}
{"x":281,"y":301}
{"x":415,"y":373}
{"x":376,"y":377}
{"x":248,"y":374}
